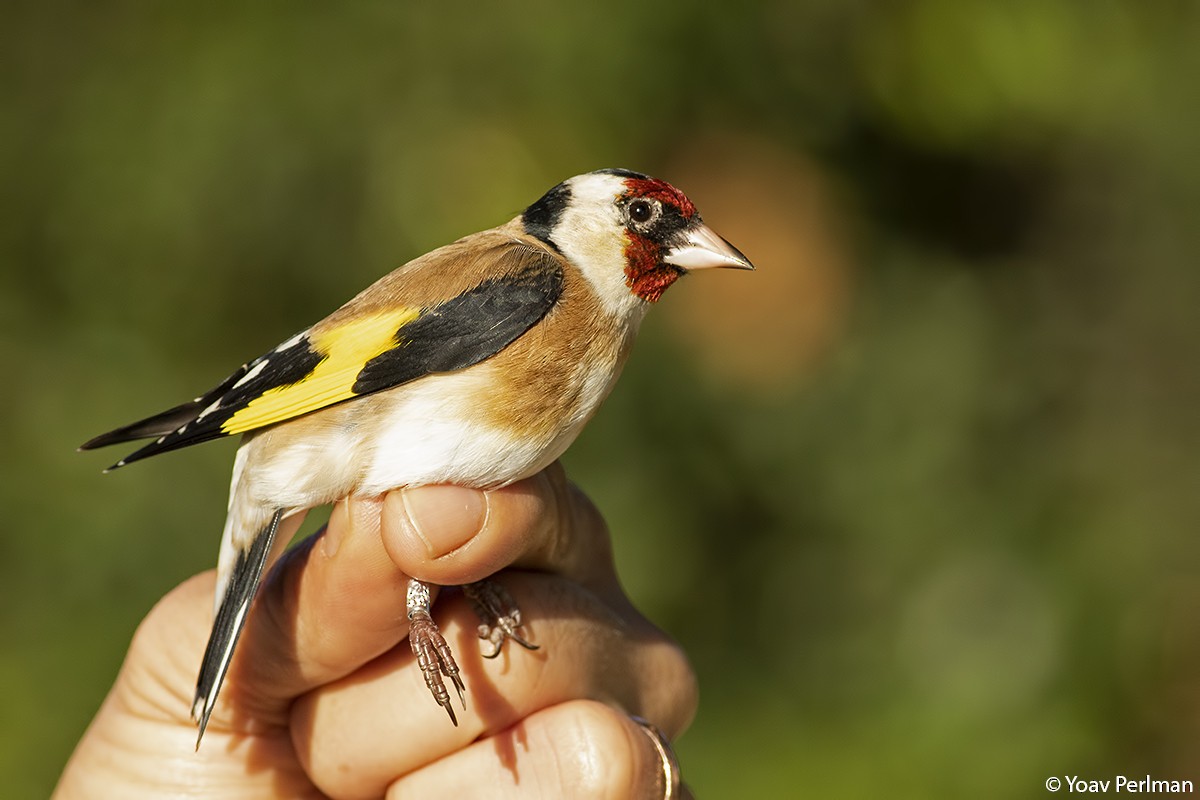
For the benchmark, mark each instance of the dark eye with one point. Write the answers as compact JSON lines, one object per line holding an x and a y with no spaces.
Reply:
{"x":641,"y":211}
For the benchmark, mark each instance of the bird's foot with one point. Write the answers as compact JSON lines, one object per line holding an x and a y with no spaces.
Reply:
{"x":432,"y":651}
{"x":499,"y":616}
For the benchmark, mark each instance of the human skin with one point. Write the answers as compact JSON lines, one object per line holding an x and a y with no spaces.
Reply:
{"x":324,"y":698}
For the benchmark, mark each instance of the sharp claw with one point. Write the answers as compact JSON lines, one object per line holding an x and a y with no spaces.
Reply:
{"x":435,"y":659}
{"x":462,"y":696}
{"x":516,"y":637}
{"x":501,"y":618}
{"x":499,"y":614}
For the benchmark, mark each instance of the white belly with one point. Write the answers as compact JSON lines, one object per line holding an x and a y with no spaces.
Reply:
{"x":430,"y":433}
{"x":425,"y":433}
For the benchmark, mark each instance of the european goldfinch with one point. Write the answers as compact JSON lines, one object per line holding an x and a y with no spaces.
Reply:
{"x":476,"y":364}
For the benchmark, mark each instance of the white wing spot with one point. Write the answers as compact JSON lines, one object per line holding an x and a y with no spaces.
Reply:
{"x":249,"y":376}
{"x":292,"y":342}
{"x":215,"y":405}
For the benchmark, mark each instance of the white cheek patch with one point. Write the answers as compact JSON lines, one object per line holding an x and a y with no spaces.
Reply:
{"x":591,"y":234}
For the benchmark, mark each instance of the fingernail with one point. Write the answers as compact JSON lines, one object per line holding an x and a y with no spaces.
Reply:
{"x":444,"y":517}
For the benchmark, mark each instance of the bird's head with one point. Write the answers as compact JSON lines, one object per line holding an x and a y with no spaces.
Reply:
{"x":630,"y":235}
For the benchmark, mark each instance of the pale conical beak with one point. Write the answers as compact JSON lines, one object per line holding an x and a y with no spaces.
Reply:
{"x":702,"y":248}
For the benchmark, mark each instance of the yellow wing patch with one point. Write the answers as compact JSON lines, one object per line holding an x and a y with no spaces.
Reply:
{"x":346,"y":349}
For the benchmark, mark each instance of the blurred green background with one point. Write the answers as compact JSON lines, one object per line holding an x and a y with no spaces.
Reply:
{"x":920,"y":497}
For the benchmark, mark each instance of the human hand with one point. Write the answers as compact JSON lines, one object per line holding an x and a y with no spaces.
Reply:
{"x":324,"y":697}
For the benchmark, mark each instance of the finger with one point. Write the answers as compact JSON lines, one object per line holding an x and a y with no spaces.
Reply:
{"x":381,"y":722}
{"x":576,"y":749}
{"x":156,"y":678}
{"x":451,"y":535}
{"x":143,"y":735}
{"x":338,"y":600}
{"x":331,"y":604}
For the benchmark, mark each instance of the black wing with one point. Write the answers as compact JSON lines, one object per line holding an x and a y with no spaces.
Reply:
{"x":300,"y":374}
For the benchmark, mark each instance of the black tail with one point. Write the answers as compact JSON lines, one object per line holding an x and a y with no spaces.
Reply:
{"x":231,"y":618}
